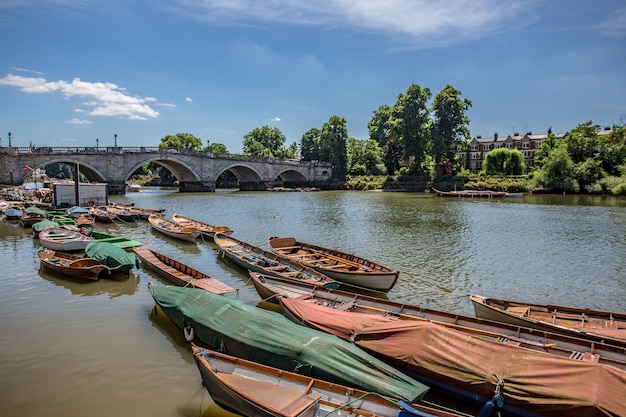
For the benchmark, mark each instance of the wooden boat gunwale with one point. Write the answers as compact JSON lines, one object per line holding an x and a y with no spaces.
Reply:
{"x":256,"y":259}
{"x":173,"y":230}
{"x":71,"y":265}
{"x":341,"y":266}
{"x":206,"y":228}
{"x":597,"y":325}
{"x":179,"y":273}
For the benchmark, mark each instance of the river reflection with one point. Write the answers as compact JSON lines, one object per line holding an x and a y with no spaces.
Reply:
{"x":72,"y":349}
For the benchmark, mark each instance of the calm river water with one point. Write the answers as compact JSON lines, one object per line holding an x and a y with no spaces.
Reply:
{"x":96,"y":349}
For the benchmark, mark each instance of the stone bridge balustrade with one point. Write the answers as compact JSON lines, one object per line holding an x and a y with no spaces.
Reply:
{"x":195,"y":171}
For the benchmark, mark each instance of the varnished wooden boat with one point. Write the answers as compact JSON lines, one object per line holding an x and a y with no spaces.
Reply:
{"x":206,"y":228}
{"x":253,"y":258}
{"x":141,"y":212}
{"x":102,"y":215}
{"x":256,"y":390}
{"x":32,"y":215}
{"x":341,"y":266}
{"x":470,"y":193}
{"x":122,"y":214}
{"x":71,"y":265}
{"x":63,"y":240}
{"x":85,"y":220}
{"x":528,"y":382}
{"x":179,"y":273}
{"x":272,"y":288}
{"x":591,"y":324}
{"x":173,"y":230}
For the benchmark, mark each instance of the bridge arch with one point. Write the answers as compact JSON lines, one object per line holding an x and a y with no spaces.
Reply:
{"x":92,"y":173}
{"x":249,"y":178}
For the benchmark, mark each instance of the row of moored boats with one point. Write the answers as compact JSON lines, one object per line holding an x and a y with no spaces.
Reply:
{"x":341,"y":347}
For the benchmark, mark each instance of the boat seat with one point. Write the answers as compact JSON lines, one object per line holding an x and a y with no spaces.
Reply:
{"x":297,"y":406}
{"x":522,"y":311}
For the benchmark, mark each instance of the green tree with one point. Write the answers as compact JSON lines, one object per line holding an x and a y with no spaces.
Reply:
{"x":217,"y":148}
{"x":181,"y":141}
{"x":544,"y":150}
{"x":380,"y":125}
{"x":503,"y":161}
{"x":449,"y":126}
{"x":364,"y":157}
{"x":411,"y":123}
{"x":333,"y":137}
{"x":310,"y":149}
{"x":264,"y":141}
{"x":392,"y":155}
{"x":557,"y":173}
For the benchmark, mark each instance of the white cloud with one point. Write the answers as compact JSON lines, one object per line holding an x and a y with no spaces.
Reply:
{"x":188,"y":99}
{"x":615,"y":25}
{"x":107,"y":99}
{"x":78,"y":122}
{"x":276,"y":119}
{"x":415,"y":19}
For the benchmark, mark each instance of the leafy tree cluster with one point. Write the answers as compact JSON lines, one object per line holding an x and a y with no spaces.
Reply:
{"x":416,"y":137}
{"x":583,"y":161}
{"x":269,"y":142}
{"x":189,"y":141}
{"x":504,"y":161}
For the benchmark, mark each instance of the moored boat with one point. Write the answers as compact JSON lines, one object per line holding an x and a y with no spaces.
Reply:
{"x":63,"y":240}
{"x":71,"y":265}
{"x":178,"y":273}
{"x":341,"y":266}
{"x":32,"y":215}
{"x":470,"y":193}
{"x":268,"y":338}
{"x":102,"y":215}
{"x":256,"y":390}
{"x":44,"y":224}
{"x":114,"y":257}
{"x":598,"y":325}
{"x":85,"y":220}
{"x":529,"y":382}
{"x":122,"y":215}
{"x":173,"y":230}
{"x":272,"y":288}
{"x":206,"y":228}
{"x":253,"y":258}
{"x":119,"y":241}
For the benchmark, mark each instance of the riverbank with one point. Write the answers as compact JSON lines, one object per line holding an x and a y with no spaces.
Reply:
{"x":426,"y":184}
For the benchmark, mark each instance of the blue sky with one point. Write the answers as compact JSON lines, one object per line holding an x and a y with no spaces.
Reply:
{"x":73,"y":71}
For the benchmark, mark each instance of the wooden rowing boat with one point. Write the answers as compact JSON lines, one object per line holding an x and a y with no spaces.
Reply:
{"x":179,"y":273}
{"x":470,"y":193}
{"x":341,"y":266}
{"x":206,"y":228}
{"x":141,"y":212}
{"x":102,"y":215}
{"x":63,"y":240}
{"x":256,"y":390}
{"x":32,"y":215}
{"x":173,"y":230}
{"x":272,"y":288}
{"x":121,"y":214}
{"x":579,"y":322}
{"x":263,"y":336}
{"x":256,"y":259}
{"x":529,"y":382}
{"x":71,"y":265}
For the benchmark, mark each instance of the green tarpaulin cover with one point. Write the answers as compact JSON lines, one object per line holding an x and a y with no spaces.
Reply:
{"x":269,"y":338}
{"x":111,"y":255}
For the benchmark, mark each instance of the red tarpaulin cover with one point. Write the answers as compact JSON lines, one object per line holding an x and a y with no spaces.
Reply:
{"x":535,"y":381}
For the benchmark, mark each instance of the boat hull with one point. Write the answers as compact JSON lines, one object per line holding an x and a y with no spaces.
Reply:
{"x":173,"y":230}
{"x":605,"y":327}
{"x":341,"y":266}
{"x":63,"y":240}
{"x":71,"y":266}
{"x":179,"y":273}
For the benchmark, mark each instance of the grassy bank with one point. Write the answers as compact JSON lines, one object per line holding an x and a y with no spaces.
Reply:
{"x":418,"y":184}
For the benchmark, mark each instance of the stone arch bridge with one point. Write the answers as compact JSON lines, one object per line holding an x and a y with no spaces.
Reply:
{"x":194,"y":170}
